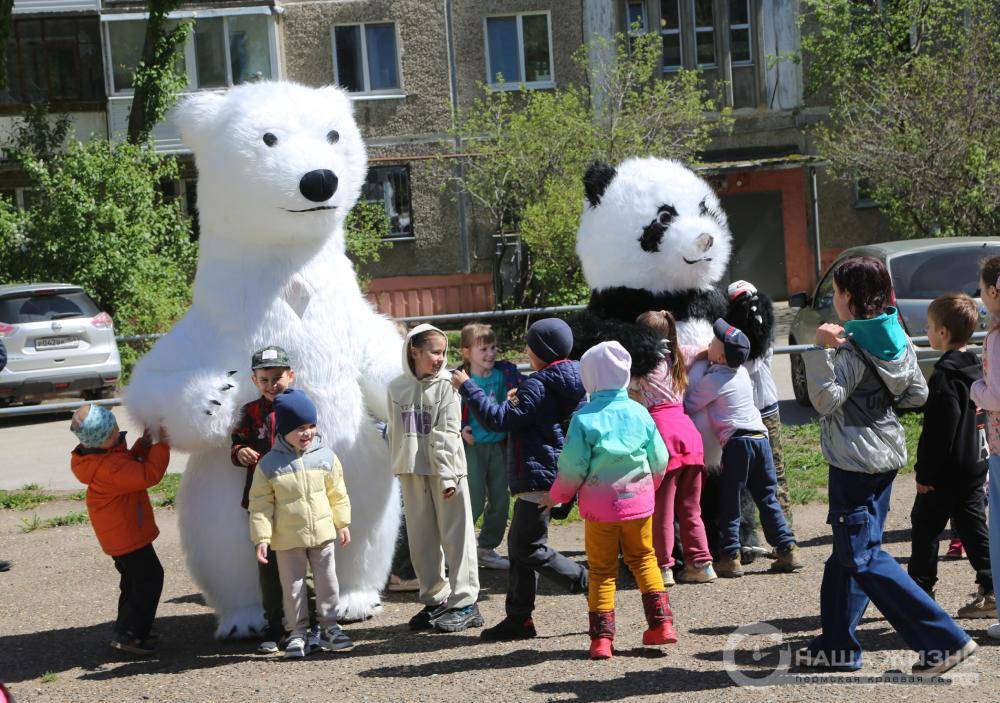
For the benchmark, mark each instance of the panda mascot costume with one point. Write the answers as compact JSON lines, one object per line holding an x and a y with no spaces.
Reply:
{"x":653,"y":236}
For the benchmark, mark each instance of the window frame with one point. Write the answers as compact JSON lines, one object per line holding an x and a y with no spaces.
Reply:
{"x":408,"y":173}
{"x":679,"y":33}
{"x":509,"y":85}
{"x":190,"y":58}
{"x":703,"y":29}
{"x":368,"y":93}
{"x":748,"y":26}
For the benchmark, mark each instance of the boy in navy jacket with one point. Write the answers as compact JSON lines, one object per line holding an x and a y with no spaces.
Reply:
{"x":534,"y":417}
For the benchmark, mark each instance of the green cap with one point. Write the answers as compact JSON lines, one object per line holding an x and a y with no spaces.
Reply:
{"x":269,"y":358}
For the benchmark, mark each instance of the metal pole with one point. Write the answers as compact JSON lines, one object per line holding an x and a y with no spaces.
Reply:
{"x":819,"y":253}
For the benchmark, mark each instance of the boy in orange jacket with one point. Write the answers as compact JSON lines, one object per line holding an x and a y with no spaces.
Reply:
{"x":122,"y":517}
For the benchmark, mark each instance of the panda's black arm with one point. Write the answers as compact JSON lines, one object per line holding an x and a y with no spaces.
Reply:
{"x":641,"y":342}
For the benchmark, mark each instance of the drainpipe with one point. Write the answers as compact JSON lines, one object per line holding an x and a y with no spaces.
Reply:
{"x":463,"y":225}
{"x":819,"y":253}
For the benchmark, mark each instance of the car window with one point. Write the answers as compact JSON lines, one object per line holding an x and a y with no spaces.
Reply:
{"x":42,"y":308}
{"x":928,"y":274}
{"x":824,"y":292}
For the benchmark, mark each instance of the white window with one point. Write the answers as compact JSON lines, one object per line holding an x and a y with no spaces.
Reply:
{"x":670,"y":31}
{"x":389,"y":186}
{"x":366,"y":58}
{"x":739,"y":28}
{"x":221,"y":51}
{"x":704,"y":33}
{"x":519,"y":51}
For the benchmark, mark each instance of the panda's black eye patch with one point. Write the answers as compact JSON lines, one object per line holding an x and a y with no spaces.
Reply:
{"x":270,"y":139}
{"x":666,"y":215}
{"x":333,"y":136}
{"x":652,"y":234}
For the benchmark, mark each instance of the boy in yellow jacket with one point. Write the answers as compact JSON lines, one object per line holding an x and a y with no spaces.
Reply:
{"x":299,"y":506}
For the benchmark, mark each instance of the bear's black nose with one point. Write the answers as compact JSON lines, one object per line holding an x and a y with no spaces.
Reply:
{"x":319,"y":185}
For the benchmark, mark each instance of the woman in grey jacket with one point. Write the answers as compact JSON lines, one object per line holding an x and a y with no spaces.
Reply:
{"x":867,"y":367}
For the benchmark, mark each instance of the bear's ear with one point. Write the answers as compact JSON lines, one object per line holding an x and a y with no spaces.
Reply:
{"x":195,"y":117}
{"x":339,"y":97}
{"x":596,"y":180}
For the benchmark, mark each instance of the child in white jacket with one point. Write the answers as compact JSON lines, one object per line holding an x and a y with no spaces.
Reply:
{"x":425,"y":424}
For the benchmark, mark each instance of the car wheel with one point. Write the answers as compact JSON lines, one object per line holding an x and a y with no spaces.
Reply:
{"x":799,"y":385}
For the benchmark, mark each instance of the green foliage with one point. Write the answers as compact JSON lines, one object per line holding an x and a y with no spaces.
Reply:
{"x":29,"y":496}
{"x":914,"y":98}
{"x":36,"y":523}
{"x":157,"y":80}
{"x":49,"y":677}
{"x":167,"y":488}
{"x":100,"y":221}
{"x":38,"y":134}
{"x":365,"y":230}
{"x":527,"y":150}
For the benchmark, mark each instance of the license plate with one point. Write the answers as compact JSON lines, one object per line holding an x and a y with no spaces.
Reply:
{"x":56,"y":342}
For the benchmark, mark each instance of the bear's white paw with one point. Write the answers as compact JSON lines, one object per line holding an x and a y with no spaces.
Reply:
{"x":241,"y":623}
{"x":358,"y":605}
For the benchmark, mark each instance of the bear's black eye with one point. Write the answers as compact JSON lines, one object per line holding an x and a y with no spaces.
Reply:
{"x":666,"y":215}
{"x":704,"y":210}
{"x":333,"y":136}
{"x":270,"y":139}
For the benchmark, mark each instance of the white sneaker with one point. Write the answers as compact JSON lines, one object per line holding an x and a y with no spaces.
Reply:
{"x":313,"y":639}
{"x":668,"y":577}
{"x":697,"y":573}
{"x":397,"y":585}
{"x":948,"y":663}
{"x":489,"y":559}
{"x":296,"y":648}
{"x":993,"y":631}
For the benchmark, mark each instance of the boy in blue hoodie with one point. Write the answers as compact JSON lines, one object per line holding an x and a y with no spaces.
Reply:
{"x":534,"y":417}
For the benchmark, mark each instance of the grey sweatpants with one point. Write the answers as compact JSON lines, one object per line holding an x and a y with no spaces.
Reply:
{"x":441,"y":529}
{"x":292,"y":565}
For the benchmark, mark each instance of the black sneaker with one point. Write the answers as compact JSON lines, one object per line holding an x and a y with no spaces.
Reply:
{"x":458,"y":619}
{"x":424,"y":620}
{"x":508,"y":630}
{"x":334,"y":639}
{"x":134,"y":645}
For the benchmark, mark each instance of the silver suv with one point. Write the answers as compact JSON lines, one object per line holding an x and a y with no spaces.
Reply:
{"x":58,"y":342}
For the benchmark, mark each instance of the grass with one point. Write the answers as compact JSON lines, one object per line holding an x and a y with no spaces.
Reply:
{"x":36,"y":523}
{"x":806,"y":468}
{"x":28,"y":496}
{"x":78,"y":495}
{"x":49,"y":677}
{"x":167,"y":490}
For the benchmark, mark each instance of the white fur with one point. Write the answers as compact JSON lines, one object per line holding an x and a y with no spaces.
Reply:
{"x":270,"y":276}
{"x":608,"y":244}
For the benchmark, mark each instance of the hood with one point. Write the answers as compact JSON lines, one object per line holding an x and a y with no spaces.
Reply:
{"x":281,"y":446}
{"x":84,"y":467}
{"x":605,"y":367}
{"x":882,"y":337}
{"x":408,"y":366}
{"x":562,"y":379}
{"x":961,"y":363}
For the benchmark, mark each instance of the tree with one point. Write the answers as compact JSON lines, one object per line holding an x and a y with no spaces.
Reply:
{"x":364,"y":232}
{"x":156,"y":79}
{"x":528,"y":151}
{"x":915,"y":107}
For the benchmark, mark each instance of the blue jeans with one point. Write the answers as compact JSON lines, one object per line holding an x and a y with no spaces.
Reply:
{"x":859,"y":570}
{"x":994,"y":517}
{"x":747,"y":461}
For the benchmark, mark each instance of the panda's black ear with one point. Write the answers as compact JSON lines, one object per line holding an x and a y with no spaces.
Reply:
{"x":596,"y":180}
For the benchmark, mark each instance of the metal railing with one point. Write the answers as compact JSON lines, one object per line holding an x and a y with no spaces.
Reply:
{"x":19,"y":411}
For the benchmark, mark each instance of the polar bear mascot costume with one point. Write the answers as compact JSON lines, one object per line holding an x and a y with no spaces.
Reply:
{"x":280,"y":165}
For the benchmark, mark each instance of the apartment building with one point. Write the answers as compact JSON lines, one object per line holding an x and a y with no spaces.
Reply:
{"x":407,"y":63}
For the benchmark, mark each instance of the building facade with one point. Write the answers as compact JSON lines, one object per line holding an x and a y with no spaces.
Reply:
{"x":409,"y":63}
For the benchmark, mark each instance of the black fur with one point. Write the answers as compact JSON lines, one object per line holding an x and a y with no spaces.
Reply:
{"x":641,"y":342}
{"x":760,"y":334}
{"x":652,"y":237}
{"x":626,"y":304}
{"x":596,"y":180}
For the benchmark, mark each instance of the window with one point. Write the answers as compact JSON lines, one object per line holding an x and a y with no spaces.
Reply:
{"x":824,"y":292}
{"x":863,"y":195}
{"x":519,"y":51}
{"x":635,"y":16}
{"x":670,"y":31}
{"x":53,"y":60}
{"x":704,"y":33}
{"x":739,"y":28}
{"x":389,"y":186}
{"x":19,"y":197}
{"x":366,"y":58}
{"x":220,"y":52}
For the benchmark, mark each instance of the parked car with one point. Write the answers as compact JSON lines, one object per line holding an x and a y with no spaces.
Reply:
{"x":921,"y":270}
{"x":58,"y":343}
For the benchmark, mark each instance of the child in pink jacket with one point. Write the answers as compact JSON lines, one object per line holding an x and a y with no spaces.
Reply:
{"x":614,"y":458}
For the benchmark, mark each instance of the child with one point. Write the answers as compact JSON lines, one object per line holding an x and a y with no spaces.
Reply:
{"x":662,"y":392}
{"x":253,"y":437}
{"x":427,"y":455}
{"x":854,"y":388}
{"x":484,"y":449}
{"x":119,"y":509}
{"x":726,"y":392}
{"x":952,"y":456}
{"x":298,"y":509}
{"x":615,"y":458}
{"x":533,"y":416}
{"x":986,"y":394}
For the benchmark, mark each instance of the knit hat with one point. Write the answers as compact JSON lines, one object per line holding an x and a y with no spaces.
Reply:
{"x":736,"y":343}
{"x":292,"y":409}
{"x":550,"y":339}
{"x":96,"y":427}
{"x":605,"y":366}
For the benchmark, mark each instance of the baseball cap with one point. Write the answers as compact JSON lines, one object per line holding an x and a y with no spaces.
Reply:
{"x":269,"y":358}
{"x":736,"y":343}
